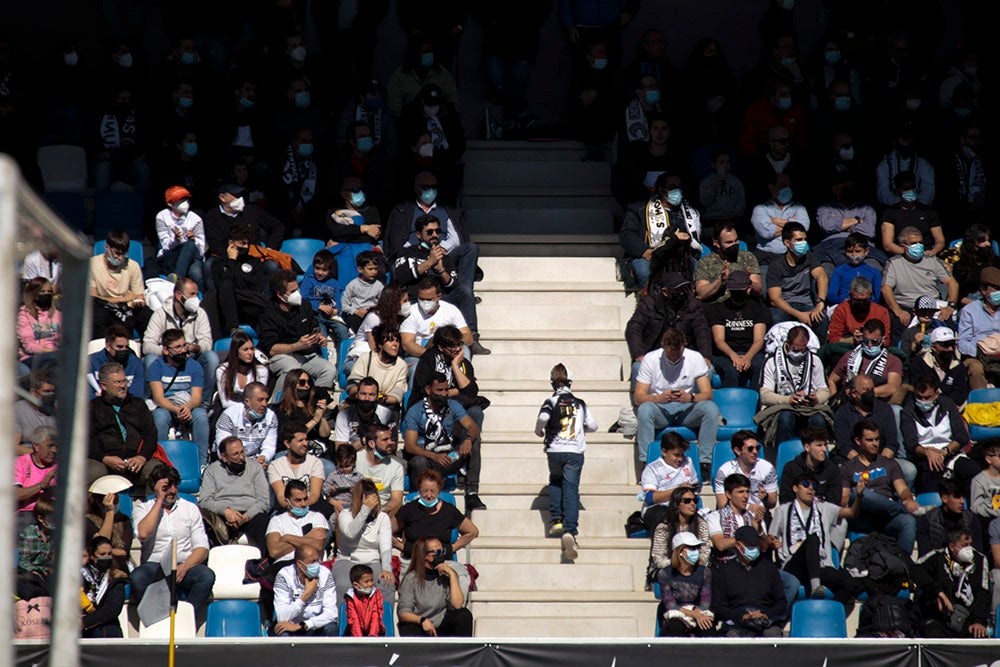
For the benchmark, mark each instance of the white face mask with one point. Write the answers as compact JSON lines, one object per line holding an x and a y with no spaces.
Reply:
{"x":125,"y":60}
{"x":298,"y":54}
{"x":432,"y":110}
{"x":965,"y":555}
{"x":191,"y":304}
{"x":182,"y":208}
{"x":237,"y":205}
{"x":427,"y":150}
{"x":427,"y":306}
{"x":294,"y":299}
{"x":404,"y":309}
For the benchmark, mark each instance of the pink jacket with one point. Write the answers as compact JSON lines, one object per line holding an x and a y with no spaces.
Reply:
{"x":37,"y":335}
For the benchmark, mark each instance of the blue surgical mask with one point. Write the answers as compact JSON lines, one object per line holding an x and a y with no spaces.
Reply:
{"x":846,"y":154}
{"x":675,"y":196}
{"x":245,"y":103}
{"x":652,"y":96}
{"x":962,"y":111}
{"x":924,"y":406}
{"x":379,"y":456}
{"x":785,"y":195}
{"x":871,"y":350}
{"x":365,"y":144}
{"x":427,"y":503}
{"x":357,"y":199}
{"x":190,"y":148}
{"x":800,"y":248}
{"x":909,"y":195}
{"x":842,"y":102}
{"x":692,"y":556}
{"x":832,"y":57}
{"x":994,"y":298}
{"x":299,"y":511}
{"x":312,"y":570}
{"x":426,"y":59}
{"x":185,"y":102}
{"x":915,"y":250}
{"x":751,"y":553}
{"x":189,"y":58}
{"x":786,"y":62}
{"x":600,"y":63}
{"x":784,"y":103}
{"x":429,"y":196}
{"x":113,"y":261}
{"x":302,"y":99}
{"x":912,"y":104}
{"x":254,"y":415}
{"x":305,"y":150}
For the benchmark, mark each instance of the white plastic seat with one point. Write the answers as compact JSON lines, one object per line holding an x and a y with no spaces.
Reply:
{"x":228,"y":562}
{"x":184,"y":625}
{"x":63,"y":167}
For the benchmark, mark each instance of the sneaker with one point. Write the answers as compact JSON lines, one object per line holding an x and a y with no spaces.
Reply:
{"x":569,"y":546}
{"x":818,"y":593}
{"x":555,"y":528}
{"x":477,"y":349}
{"x":472,"y":502}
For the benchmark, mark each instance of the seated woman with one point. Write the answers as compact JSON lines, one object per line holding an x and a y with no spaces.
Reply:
{"x":384,"y":364}
{"x":240,"y":368}
{"x":686,"y":591}
{"x":444,"y":354}
{"x":102,"y":594}
{"x":39,"y":326}
{"x":432,"y":594}
{"x":104,"y":520}
{"x":392,"y":308}
{"x":365,"y":538}
{"x":427,"y":514}
{"x":681,"y":516}
{"x":303,"y":402}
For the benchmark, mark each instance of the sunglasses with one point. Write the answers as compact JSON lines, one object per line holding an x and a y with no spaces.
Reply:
{"x":806,"y":484}
{"x":432,"y":232}
{"x":751,"y":448}
{"x":687,"y":501}
{"x":304,"y":383}
{"x":871,"y":341}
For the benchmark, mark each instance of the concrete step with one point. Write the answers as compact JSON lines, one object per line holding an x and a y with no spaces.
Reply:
{"x":559,"y":626}
{"x":550,"y":554}
{"x":579,"y":386}
{"x":591,"y":303}
{"x":524,"y":447}
{"x":563,"y":337}
{"x":513,"y":269}
{"x":553,"y":289}
{"x":558,"y":349}
{"x":584,"y":367}
{"x":564,"y":615}
{"x":511,"y":200}
{"x":551,"y":577}
{"x":514,"y":523}
{"x":509,"y":416}
{"x":522,"y":496}
{"x":540,"y":221}
{"x":535,"y":398}
{"x":542,"y":149}
{"x":543,"y":315}
{"x":527,"y":436}
{"x":521,"y":246}
{"x":484,"y":177}
{"x":501,"y":469}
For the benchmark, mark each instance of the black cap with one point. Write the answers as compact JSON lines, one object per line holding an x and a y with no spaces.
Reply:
{"x":738,"y":280}
{"x":231,"y":189}
{"x":673,"y":280}
{"x":747,"y":535}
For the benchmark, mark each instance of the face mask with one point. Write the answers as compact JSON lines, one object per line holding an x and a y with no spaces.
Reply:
{"x":189,"y":58}
{"x":364,"y":590}
{"x":184,"y":206}
{"x":426,"y":59}
{"x":357,"y":199}
{"x":787,"y":4}
{"x":103,"y":564}
{"x":692,"y":556}
{"x":432,"y":111}
{"x":439,"y":401}
{"x":855,"y":260}
{"x":404,"y":309}
{"x":121,"y":357}
{"x":912,"y":104}
{"x":237,"y":468}
{"x":365,"y":144}
{"x":427,"y":306}
{"x":48,"y":398}
{"x":871,"y":350}
{"x":909,"y":195}
{"x":254,"y":415}
{"x":113,"y":261}
{"x":298,"y":54}
{"x":125,"y":60}
{"x":965,"y":555}
{"x":968,"y":152}
{"x":600,"y":63}
{"x":426,"y":151}
{"x":675,"y":197}
{"x":373,"y":103}
{"x":786,"y":62}
{"x":190,"y":149}
{"x":71,"y":58}
{"x":915,"y":250}
{"x":962,"y":111}
{"x":739,"y":299}
{"x":191,"y":304}
{"x":237,"y":205}
{"x":800,"y":248}
{"x":365,"y":407}
{"x":179,"y":359}
{"x":246,"y":104}
{"x":302,"y":394}
{"x":378,"y":454}
{"x":652,"y":96}
{"x":732,"y":253}
{"x":994,"y":299}
{"x":294,"y":299}
{"x":924,"y":406}
{"x":299,"y":511}
{"x":302,"y":99}
{"x":429,"y":195}
{"x":427,"y":503}
{"x":312,"y":571}
{"x":842,"y":102}
{"x":846,"y":154}
{"x":796,"y":355}
{"x":43,"y":301}
{"x":867,"y":399}
{"x":784,"y":195}
{"x":785,"y":103}
{"x":185,"y":102}
{"x":751,"y":553}
{"x":832,"y":57}
{"x":305,"y":150}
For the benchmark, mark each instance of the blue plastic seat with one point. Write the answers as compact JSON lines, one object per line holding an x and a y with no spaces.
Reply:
{"x":233,"y":618}
{"x":929,"y":499}
{"x":250,"y":331}
{"x":787,"y":451}
{"x":345,"y":345}
{"x":134,"y":251}
{"x":990,"y":395}
{"x":723,"y":453}
{"x":184,"y":455}
{"x":390,"y":630}
{"x":222,"y":345}
{"x":818,"y":619}
{"x":69,"y":206}
{"x":302,"y":250}
{"x":118,"y":210}
{"x":958,"y":242}
{"x":682,"y":431}
{"x":738,"y":407}
{"x":125,"y":504}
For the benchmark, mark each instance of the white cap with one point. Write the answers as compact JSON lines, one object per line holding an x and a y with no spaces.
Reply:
{"x":942,"y":335}
{"x":109,"y":484}
{"x":686,"y":539}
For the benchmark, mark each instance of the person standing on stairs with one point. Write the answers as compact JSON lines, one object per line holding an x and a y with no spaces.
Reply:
{"x":562,"y":421}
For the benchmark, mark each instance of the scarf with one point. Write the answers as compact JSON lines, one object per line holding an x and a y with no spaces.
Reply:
{"x":730,"y":520}
{"x":442,"y":366}
{"x":636,"y":127}
{"x":437,"y":133}
{"x":657,"y":221}
{"x":116,"y":134}
{"x":971,"y":179}
{"x":798,"y":531}
{"x":895,"y":165}
{"x":303,"y":173}
{"x":436,"y":439}
{"x":361,"y":115}
{"x":95,"y":584}
{"x":785,"y":382}
{"x":963,"y":587}
{"x":875,"y":367}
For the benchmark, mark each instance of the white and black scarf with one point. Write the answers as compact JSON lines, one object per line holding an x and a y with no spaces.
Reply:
{"x":785,"y":383}
{"x":438,"y":137}
{"x":436,"y":438}
{"x":361,"y":115}
{"x":303,"y":173}
{"x":875,"y":367}
{"x":442,"y":366}
{"x":657,"y":221}
{"x":117,"y":133}
{"x":636,"y":126}
{"x":797,"y":531}
{"x":95,"y":584}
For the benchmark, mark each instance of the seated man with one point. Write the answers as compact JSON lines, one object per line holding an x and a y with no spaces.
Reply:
{"x":444,"y":354}
{"x":290,"y":334}
{"x":726,"y":257}
{"x":747,"y":593}
{"x":305,"y":597}
{"x":723,"y":522}
{"x":952,"y":513}
{"x":287,"y":531}
{"x":240,"y":280}
{"x":431,"y":312}
{"x":814,"y":460}
{"x":116,"y":349}
{"x":850,"y":315}
{"x":37,"y":412}
{"x":160,"y":521}
{"x":35,"y":553}
{"x":888,"y":505}
{"x":183,"y":311}
{"x":234,"y":496}
{"x":662,"y":476}
{"x":122,"y":433}
{"x":909,"y":209}
{"x":954,"y":587}
{"x":253,"y":422}
{"x":672,"y":389}
{"x":796,"y":283}
{"x":361,"y":412}
{"x":847,"y":225}
{"x":941,"y":361}
{"x":856,"y":249}
{"x":793,"y":391}
{"x":976,"y":321}
{"x":804,"y":526}
{"x":377,"y":463}
{"x":34,"y":473}
{"x":116,"y":287}
{"x":176,"y":385}
{"x":910,"y":276}
{"x":770,"y":218}
{"x":935,"y":434}
{"x":749,"y":463}
{"x":984,"y":501}
{"x":298,"y":464}
{"x":438,"y":434}
{"x":870,"y":357}
{"x":739,"y":324}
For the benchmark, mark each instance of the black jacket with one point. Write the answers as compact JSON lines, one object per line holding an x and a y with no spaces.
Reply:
{"x":269,"y":229}
{"x":737,"y":588}
{"x":828,"y":477}
{"x":400,"y":224}
{"x":426,"y":365}
{"x":108,"y":610}
{"x":277,"y":326}
{"x":933,"y":576}
{"x":105,"y":432}
{"x":404,"y":270}
{"x":654,"y":315}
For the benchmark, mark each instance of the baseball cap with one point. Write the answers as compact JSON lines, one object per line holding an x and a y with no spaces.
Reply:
{"x":747,"y":535}
{"x":231,"y":189}
{"x":990,"y":275}
{"x":686,"y":539}
{"x":943,"y":335}
{"x":925,"y":303}
{"x":176,"y":193}
{"x":109,"y":484}
{"x":673,"y":279}
{"x":738,"y":280}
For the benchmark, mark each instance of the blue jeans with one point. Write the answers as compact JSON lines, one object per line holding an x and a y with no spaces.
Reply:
{"x":335,"y":330}
{"x":197,"y":583}
{"x":886,"y":515}
{"x":702,"y":417}
{"x":640,"y":267}
{"x":164,"y":419}
{"x":790,"y":584}
{"x":790,"y":423}
{"x":564,"y":488}
{"x":509,"y":79}
{"x":184,"y":261}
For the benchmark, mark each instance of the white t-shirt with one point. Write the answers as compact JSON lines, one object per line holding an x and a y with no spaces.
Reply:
{"x":387,"y":475}
{"x":286,"y":524}
{"x":659,"y":475}
{"x":280,"y":470}
{"x":424,"y":326}
{"x":661,"y":376}
{"x":762,"y":477}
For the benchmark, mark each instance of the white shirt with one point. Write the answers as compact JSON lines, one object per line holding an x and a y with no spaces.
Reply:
{"x":259,"y":374}
{"x":280,"y":470}
{"x":424,"y":326}
{"x":166,"y":223}
{"x":575,"y":421}
{"x":345,"y":428}
{"x":762,"y":476}
{"x":659,"y":475}
{"x":286,"y":524}
{"x":182,"y":523}
{"x":36,"y":265}
{"x":387,"y":474}
{"x":288,"y":605}
{"x":661,"y":376}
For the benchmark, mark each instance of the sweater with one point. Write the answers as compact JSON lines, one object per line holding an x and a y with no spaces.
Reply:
{"x":738,"y":587}
{"x":38,"y":334}
{"x":360,"y":294}
{"x":196,"y":328}
{"x":364,"y":541}
{"x":248,"y":492}
{"x":391,"y":378}
{"x":429,"y":598}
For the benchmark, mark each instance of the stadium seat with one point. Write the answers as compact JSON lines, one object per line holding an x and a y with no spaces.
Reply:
{"x":787,"y":451}
{"x":991,"y":395}
{"x":722,"y":453}
{"x":738,"y":407}
{"x":63,"y":168}
{"x":222,"y":345}
{"x":682,"y":431}
{"x":929,"y":499}
{"x":125,"y":504}
{"x":134,"y":251}
{"x":69,"y":206}
{"x":229,"y":562}
{"x":184,"y":455}
{"x":818,"y":619}
{"x":345,"y":345}
{"x":387,"y":619}
{"x":118,"y":210}
{"x":184,"y":625}
{"x":250,"y":332}
{"x":302,"y":251}
{"x":233,"y":618}
{"x":346,"y":254}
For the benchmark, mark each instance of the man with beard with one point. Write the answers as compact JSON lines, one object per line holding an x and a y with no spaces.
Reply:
{"x":234,"y":498}
{"x":738,"y":328}
{"x":362,"y":412}
{"x":377,"y":463}
{"x":871,"y":357}
{"x":116,"y":349}
{"x":713,"y":269}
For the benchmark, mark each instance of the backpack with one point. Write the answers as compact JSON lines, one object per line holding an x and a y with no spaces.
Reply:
{"x":566,"y":407}
{"x":886,"y":616}
{"x":878,"y":561}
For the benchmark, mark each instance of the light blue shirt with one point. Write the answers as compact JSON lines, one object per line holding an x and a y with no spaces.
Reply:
{"x":974,"y":322}
{"x":768,"y":236}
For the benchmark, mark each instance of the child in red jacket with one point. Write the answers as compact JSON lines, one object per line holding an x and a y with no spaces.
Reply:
{"x":363,"y":605}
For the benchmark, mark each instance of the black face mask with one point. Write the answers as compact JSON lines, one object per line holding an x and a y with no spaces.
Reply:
{"x":732,"y":253}
{"x":121,"y":356}
{"x":103,"y":564}
{"x":237,"y":467}
{"x":366,"y":406}
{"x":982,"y":254}
{"x":860,"y":305}
{"x":242,"y":253}
{"x":439,"y":401}
{"x":946,"y":356}
{"x":678,"y":300}
{"x":738,"y":299}
{"x":44,"y":301}
{"x":867,"y":399}
{"x":302,"y":394}
{"x":179,"y":359}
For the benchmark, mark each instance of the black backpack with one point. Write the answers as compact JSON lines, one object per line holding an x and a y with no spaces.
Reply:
{"x":886,"y":616}
{"x":887,"y":566}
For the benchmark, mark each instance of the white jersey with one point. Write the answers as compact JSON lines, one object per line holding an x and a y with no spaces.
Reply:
{"x":562,"y":421}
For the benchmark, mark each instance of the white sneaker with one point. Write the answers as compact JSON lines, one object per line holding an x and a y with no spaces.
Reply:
{"x":569,"y":546}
